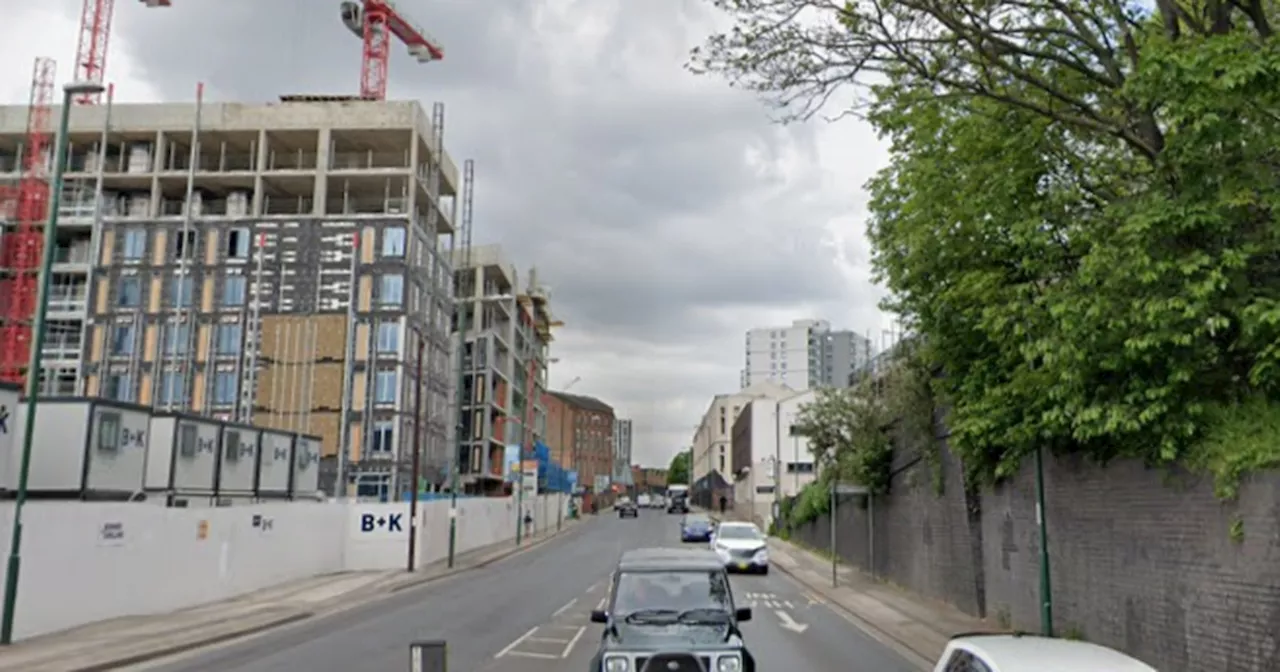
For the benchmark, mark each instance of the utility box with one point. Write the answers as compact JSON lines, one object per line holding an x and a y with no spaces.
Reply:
{"x":238,"y":463}
{"x":85,"y":447}
{"x":275,"y":463}
{"x":182,"y":457}
{"x":306,"y":466}
{"x":10,"y":450}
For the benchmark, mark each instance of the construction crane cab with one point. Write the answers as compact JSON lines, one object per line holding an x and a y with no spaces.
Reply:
{"x":352,"y":17}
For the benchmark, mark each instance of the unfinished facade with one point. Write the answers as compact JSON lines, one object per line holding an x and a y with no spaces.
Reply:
{"x":505,"y":363}
{"x":302,"y":246}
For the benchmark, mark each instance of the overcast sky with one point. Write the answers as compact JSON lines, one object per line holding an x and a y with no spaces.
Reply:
{"x":665,"y":211}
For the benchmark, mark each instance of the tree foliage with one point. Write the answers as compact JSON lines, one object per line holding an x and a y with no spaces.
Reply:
{"x":678,"y":471}
{"x":1079,"y":215}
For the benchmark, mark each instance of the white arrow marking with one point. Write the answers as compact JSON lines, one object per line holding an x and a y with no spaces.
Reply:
{"x":790,"y":623}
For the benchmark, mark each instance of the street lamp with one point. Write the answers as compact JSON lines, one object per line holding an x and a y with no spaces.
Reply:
{"x":69,"y":92}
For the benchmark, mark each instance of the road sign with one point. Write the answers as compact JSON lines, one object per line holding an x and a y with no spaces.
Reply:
{"x":850,"y":489}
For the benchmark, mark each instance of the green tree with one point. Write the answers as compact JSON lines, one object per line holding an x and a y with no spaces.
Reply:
{"x":678,"y":471}
{"x":1078,"y":219}
{"x":845,"y":428}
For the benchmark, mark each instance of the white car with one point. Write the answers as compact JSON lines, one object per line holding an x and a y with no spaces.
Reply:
{"x":741,"y":546}
{"x":1032,"y":653}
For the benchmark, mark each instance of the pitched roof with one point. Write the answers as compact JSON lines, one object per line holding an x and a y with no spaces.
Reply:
{"x":586,"y":403}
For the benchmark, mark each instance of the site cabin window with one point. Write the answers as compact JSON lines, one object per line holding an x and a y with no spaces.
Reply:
{"x":231,"y":446}
{"x":129,"y":292}
{"x":233,"y":290}
{"x":122,"y":339}
{"x":238,"y":243}
{"x":764,"y":489}
{"x":393,"y":242}
{"x":799,"y":467}
{"x":388,"y":337}
{"x":391,"y":290}
{"x":227,"y":339}
{"x":109,"y":432}
{"x":181,"y":289}
{"x":385,"y":387}
{"x":134,"y":245}
{"x":177,"y":338}
{"x":224,"y":388}
{"x":188,"y":440}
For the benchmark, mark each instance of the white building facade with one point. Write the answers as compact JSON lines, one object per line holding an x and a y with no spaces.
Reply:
{"x":712,"y":436}
{"x":804,"y":355}
{"x":771,"y":461}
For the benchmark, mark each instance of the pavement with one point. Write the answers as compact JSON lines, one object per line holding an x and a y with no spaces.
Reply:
{"x":915,"y":627}
{"x":138,"y":642}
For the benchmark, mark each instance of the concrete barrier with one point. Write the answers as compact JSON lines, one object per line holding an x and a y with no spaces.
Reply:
{"x":85,"y":562}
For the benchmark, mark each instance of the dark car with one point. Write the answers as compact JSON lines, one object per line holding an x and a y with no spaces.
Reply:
{"x":628,"y":509}
{"x":696,"y":527}
{"x":670,"y":601}
{"x":678,"y":504}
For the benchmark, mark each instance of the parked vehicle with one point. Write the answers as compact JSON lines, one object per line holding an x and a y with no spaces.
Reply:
{"x":696,"y":527}
{"x":1028,"y":653}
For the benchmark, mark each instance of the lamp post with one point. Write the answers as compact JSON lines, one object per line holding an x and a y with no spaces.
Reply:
{"x":14,"y":566}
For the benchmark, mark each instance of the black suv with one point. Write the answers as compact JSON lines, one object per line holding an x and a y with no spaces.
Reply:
{"x":666,"y":601}
{"x":678,"y":504}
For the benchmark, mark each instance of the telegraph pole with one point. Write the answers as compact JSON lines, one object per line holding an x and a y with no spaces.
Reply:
{"x":417,"y":457}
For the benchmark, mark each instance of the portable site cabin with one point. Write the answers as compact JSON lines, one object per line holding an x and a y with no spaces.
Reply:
{"x":275,"y":463}
{"x":183,"y":455}
{"x":84,"y":447}
{"x":306,"y":466}
{"x":238,"y":460}
{"x":9,"y":449}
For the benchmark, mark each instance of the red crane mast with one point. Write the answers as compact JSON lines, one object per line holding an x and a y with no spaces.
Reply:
{"x":22,"y":248}
{"x":375,"y":22}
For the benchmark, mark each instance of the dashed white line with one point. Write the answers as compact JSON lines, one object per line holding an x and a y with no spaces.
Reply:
{"x":565,"y":608}
{"x":602,"y":602}
{"x":593,"y":586}
{"x":519,"y":640}
{"x":569,"y":647}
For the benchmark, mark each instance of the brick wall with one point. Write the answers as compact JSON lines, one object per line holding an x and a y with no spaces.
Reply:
{"x":1141,"y":559}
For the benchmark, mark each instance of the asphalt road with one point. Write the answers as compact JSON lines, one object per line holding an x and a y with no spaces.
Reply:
{"x":530,"y":613}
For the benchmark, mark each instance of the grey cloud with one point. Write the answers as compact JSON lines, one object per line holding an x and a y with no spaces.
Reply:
{"x":649,"y":200}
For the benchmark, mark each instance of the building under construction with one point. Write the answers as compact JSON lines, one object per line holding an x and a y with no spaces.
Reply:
{"x":274,"y":263}
{"x":505,"y":366}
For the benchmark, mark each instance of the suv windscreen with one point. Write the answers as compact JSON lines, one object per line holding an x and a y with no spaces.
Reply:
{"x":738,"y":532}
{"x":672,"y":595}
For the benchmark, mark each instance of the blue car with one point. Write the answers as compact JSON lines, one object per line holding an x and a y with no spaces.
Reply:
{"x":696,"y":528}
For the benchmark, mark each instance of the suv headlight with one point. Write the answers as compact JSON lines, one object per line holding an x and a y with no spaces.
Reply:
{"x":619,"y":664}
{"x":732,"y":663}
{"x":762,"y":555}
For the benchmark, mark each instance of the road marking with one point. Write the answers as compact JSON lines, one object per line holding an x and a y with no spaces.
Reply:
{"x":548,"y":640}
{"x":519,"y":640}
{"x":565,"y":608}
{"x":593,"y":586}
{"x":602,"y":601}
{"x":569,"y":647}
{"x":531,"y":654}
{"x":790,"y":623}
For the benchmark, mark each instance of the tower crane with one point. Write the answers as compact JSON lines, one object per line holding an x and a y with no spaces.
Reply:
{"x":95,"y":33}
{"x":374,"y":22}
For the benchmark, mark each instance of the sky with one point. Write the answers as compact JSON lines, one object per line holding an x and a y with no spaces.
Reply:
{"x":666,"y":212}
